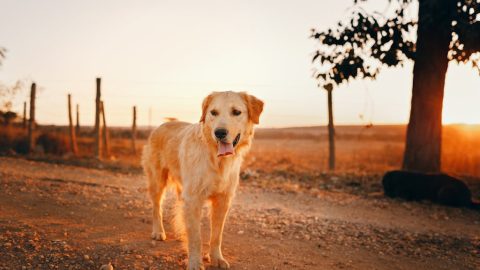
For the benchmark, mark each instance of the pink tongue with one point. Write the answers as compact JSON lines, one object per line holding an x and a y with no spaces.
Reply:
{"x":225,"y":149}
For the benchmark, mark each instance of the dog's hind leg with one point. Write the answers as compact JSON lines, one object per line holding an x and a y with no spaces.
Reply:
{"x":157,"y":184}
{"x":220,"y":206}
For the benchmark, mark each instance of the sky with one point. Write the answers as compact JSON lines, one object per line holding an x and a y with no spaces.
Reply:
{"x":166,"y":56}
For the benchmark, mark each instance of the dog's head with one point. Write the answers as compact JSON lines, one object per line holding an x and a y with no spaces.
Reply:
{"x":228,"y":119}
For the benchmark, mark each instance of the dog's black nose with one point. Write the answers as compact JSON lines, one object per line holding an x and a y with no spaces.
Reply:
{"x":221,"y":133}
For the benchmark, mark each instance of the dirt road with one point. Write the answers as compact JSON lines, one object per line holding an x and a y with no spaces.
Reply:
{"x":66,"y":217}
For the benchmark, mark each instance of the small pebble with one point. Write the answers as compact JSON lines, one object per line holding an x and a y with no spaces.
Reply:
{"x":107,"y":267}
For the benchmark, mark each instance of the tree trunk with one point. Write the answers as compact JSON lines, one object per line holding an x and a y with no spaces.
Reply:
{"x":424,"y":132}
{"x":331,"y":133}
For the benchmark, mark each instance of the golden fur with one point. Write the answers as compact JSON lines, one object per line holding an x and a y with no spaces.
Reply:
{"x":185,"y":155}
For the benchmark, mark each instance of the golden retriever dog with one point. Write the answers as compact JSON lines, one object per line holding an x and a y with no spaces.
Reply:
{"x":203,"y":162}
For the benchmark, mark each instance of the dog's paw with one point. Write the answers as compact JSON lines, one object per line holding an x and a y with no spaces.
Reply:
{"x":220,"y":263}
{"x":159,"y":236}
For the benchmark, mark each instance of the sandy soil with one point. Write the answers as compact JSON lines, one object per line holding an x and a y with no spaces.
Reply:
{"x":66,"y":217}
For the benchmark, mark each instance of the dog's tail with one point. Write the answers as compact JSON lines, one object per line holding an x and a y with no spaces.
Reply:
{"x":179,"y":221}
{"x":145,"y":156}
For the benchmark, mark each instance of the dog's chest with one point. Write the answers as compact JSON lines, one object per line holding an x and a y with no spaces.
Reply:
{"x":227,"y":174}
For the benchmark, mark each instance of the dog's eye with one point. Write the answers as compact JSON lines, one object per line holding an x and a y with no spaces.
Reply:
{"x":214,"y":112}
{"x":236,"y":112}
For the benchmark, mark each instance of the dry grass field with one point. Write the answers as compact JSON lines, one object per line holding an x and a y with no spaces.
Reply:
{"x":305,"y":149}
{"x":359,"y":149}
{"x":298,"y":156}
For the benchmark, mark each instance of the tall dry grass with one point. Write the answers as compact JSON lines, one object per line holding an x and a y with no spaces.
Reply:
{"x":359,"y":149}
{"x":305,"y":150}
{"x":461,"y":150}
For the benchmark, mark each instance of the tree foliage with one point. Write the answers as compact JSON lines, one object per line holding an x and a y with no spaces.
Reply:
{"x":8,"y":94}
{"x":7,"y":117}
{"x":361,"y":45}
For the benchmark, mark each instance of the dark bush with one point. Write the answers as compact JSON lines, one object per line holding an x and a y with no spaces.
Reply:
{"x":5,"y":141}
{"x":20,"y":145}
{"x":53,"y":143}
{"x":9,"y":136}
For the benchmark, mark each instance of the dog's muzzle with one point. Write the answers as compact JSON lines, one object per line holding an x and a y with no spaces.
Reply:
{"x":225,"y":149}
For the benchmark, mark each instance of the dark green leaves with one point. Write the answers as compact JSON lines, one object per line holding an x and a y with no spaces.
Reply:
{"x":465,"y":45}
{"x":359,"y":46}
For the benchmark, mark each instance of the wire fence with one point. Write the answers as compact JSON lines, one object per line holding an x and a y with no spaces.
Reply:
{"x":155,"y":105}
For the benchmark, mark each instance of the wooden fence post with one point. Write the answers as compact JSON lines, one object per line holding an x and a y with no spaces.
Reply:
{"x":97,"y":130}
{"x":31,"y":121}
{"x":77,"y":126}
{"x":25,"y":115}
{"x":106,"y":149}
{"x":73,"y":139}
{"x":331,"y":133}
{"x":134,"y":130}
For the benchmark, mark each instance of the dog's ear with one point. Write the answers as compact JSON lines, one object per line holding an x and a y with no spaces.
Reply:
{"x":255,"y":107}
{"x":205,"y":104}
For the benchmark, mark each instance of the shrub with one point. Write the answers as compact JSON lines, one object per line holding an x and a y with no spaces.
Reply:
{"x":9,"y":136}
{"x":20,"y":145}
{"x":53,"y":143}
{"x":5,"y":140}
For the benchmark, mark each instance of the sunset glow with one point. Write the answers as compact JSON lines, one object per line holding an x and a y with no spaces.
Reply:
{"x":165,"y":59}
{"x":216,"y":134}
{"x":462,"y":91}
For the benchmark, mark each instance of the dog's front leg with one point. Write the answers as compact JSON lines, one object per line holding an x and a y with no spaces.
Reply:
{"x":220,"y":206}
{"x":192,"y":212}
